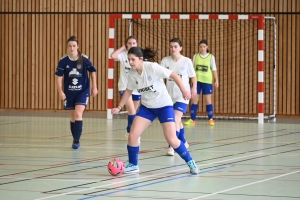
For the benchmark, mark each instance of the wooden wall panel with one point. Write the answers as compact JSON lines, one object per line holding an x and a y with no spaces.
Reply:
{"x":33,"y":42}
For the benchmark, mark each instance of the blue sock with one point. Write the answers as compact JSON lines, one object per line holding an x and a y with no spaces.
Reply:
{"x":133,"y":153}
{"x":177,"y":135}
{"x":130,"y":119}
{"x":183,"y":152}
{"x":77,"y":130}
{"x":72,"y":124}
{"x":210,"y":111}
{"x":194,"y":109}
{"x":181,"y":136}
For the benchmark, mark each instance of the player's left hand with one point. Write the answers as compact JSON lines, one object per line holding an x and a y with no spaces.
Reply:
{"x":94,"y":92}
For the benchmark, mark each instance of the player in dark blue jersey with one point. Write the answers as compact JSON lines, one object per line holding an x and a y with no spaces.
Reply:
{"x":74,"y":68}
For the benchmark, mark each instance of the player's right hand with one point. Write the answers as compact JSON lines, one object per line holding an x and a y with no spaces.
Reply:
{"x":186,"y":95}
{"x":62,"y":96}
{"x":115,"y":111}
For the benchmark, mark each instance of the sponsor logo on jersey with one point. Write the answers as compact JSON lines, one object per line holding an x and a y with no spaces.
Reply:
{"x":146,"y":89}
{"x":75,"y":81}
{"x":149,"y":78}
{"x":74,"y":73}
{"x":79,"y":66}
{"x":75,"y":87}
{"x":202,"y":68}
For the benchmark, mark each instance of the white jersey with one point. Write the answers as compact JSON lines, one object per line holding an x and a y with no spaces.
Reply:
{"x":124,"y":69}
{"x":213,"y":65}
{"x":185,"y":70}
{"x":150,"y":85}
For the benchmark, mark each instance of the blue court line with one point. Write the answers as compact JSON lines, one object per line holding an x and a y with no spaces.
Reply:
{"x":148,"y":184}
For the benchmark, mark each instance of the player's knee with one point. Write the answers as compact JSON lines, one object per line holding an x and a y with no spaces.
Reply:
{"x":77,"y":115}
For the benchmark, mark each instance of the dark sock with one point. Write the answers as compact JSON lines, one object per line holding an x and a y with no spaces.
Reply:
{"x":130,"y":119}
{"x":210,"y":111}
{"x":181,"y":136}
{"x":77,"y":130}
{"x":194,"y":109}
{"x":183,"y":152}
{"x":133,"y":153}
{"x":72,"y":124}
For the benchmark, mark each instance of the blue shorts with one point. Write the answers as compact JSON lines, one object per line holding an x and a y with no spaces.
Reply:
{"x":135,"y":97}
{"x":164,"y":114}
{"x":80,"y":99}
{"x":182,"y":107}
{"x":205,"y":87}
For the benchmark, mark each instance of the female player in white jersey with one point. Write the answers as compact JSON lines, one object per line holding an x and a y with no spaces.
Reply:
{"x":206,"y":71}
{"x":148,"y":77}
{"x":134,"y":101}
{"x":74,"y":68}
{"x":182,"y":66}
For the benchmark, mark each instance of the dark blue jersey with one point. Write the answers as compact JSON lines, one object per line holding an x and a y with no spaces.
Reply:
{"x":76,"y":77}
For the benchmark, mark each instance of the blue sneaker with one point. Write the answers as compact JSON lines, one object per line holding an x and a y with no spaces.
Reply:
{"x":193,"y":167}
{"x":75,"y":145}
{"x":131,"y":168}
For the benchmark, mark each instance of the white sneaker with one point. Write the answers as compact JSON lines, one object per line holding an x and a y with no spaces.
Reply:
{"x":170,"y":151}
{"x":127,"y":135}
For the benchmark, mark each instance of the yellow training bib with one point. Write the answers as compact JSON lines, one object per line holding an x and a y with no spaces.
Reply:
{"x":203,"y":69}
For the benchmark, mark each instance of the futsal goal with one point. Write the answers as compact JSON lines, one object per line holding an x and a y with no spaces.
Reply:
{"x":244,"y":47}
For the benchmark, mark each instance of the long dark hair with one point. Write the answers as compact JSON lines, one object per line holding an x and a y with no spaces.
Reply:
{"x":148,"y":53}
{"x":74,"y":39}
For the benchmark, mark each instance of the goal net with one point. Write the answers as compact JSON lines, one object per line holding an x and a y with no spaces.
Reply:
{"x":243,"y":46}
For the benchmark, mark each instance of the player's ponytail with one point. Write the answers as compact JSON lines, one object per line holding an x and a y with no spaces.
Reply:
{"x":79,"y":61}
{"x":204,"y":42}
{"x":148,"y":53}
{"x":73,"y":38}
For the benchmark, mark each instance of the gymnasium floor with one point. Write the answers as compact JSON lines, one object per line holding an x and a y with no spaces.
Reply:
{"x":239,"y":160}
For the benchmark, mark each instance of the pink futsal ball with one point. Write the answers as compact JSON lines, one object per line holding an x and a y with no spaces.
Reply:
{"x":115,"y":167}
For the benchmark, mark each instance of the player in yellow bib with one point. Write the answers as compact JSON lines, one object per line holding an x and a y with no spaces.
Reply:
{"x":206,"y":72}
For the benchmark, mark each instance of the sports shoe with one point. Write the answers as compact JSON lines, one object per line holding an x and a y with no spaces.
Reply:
{"x":193,"y":167}
{"x":75,"y":145}
{"x":127,"y":135}
{"x":131,"y":168}
{"x":189,"y":122}
{"x":170,"y":151}
{"x":211,"y":122}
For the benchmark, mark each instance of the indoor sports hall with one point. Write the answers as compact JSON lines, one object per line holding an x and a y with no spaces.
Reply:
{"x":250,"y":151}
